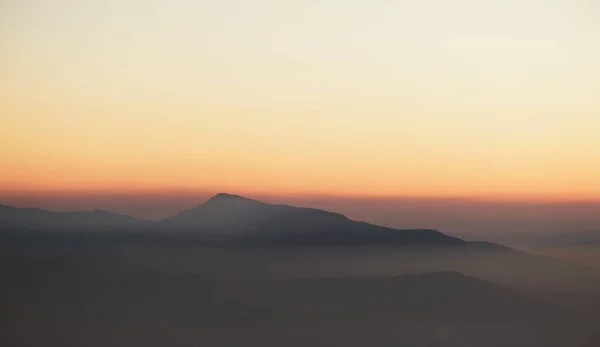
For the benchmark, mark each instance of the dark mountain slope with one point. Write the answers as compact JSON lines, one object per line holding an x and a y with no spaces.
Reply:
{"x":444,"y":296}
{"x":231,"y":217}
{"x":150,"y":308}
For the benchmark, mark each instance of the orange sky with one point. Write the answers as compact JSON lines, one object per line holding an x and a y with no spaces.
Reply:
{"x":350,"y":98}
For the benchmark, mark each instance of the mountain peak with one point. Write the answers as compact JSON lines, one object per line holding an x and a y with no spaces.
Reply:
{"x":227,"y":196}
{"x":225,"y":199}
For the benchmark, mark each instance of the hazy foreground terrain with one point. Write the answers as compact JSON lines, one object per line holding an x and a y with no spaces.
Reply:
{"x":237,"y":272}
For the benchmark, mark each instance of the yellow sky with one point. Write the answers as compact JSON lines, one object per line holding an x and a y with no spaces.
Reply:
{"x":379,"y":97}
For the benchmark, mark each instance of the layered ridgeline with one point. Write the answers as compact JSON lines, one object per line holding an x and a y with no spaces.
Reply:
{"x":235,"y":218}
{"x":35,"y":219}
{"x":133,"y":308}
{"x":232,"y":218}
{"x":300,"y":241}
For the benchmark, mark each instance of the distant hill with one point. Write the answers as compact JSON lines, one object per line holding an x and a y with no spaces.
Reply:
{"x":158,"y":308}
{"x":587,"y":243}
{"x":13,"y":218}
{"x":444,"y":296}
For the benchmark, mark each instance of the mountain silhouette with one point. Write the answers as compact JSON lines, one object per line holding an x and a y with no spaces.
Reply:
{"x":112,"y":279}
{"x":232,"y":217}
{"x":38,"y":219}
{"x":236,"y":220}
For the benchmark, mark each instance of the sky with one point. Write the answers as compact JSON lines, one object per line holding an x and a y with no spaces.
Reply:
{"x":380,"y":98}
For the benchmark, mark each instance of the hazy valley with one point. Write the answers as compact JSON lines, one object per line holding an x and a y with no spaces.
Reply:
{"x":239,"y":272}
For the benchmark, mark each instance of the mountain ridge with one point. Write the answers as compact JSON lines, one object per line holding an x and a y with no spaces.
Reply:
{"x":37,"y":218}
{"x":233,"y":216}
{"x":234,"y":219}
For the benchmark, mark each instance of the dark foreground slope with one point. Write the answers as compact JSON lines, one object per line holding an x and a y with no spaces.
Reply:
{"x":85,"y":303}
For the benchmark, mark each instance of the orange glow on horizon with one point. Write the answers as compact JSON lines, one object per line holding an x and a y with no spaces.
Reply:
{"x":343,"y":98}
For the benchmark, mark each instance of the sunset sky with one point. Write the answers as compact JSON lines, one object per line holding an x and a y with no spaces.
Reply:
{"x":433,"y":98}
